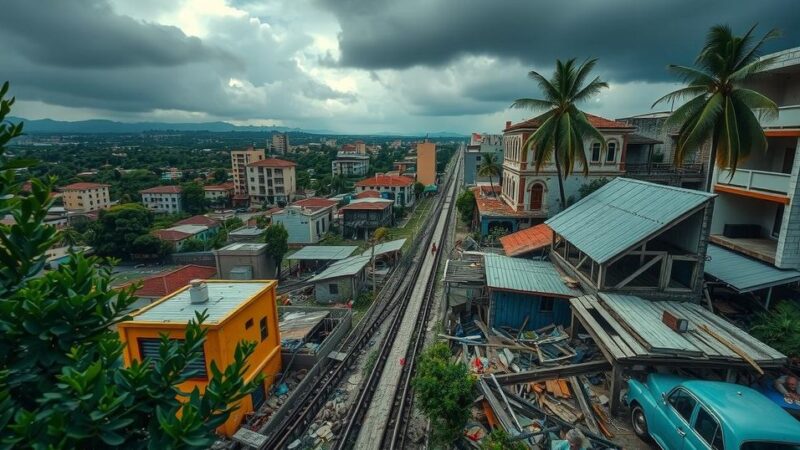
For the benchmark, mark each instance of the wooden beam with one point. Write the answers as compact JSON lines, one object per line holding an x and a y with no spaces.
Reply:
{"x":583,"y":401}
{"x":644,"y":249}
{"x":583,"y":260}
{"x":616,"y":389}
{"x":639,"y":271}
{"x":547,"y":373}
{"x":732,"y":347}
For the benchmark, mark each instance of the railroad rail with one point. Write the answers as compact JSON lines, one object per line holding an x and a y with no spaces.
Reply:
{"x":390,"y":302}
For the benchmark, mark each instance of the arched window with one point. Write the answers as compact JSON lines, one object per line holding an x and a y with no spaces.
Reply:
{"x":537,"y":195}
{"x":595,"y":157}
{"x":611,"y":152}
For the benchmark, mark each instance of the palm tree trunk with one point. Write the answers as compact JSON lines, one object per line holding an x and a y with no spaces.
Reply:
{"x":712,"y":161}
{"x":491,"y":186}
{"x":560,"y":180}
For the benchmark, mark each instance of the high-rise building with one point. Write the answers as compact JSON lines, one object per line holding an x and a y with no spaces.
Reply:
{"x":239,"y":161}
{"x":426,"y":163}
{"x":280,"y":144}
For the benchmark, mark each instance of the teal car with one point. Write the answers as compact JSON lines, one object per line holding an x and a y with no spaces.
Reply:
{"x":683,"y":414}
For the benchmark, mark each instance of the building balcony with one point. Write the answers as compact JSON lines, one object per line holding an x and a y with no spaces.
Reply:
{"x":755,"y":181}
{"x":763,"y":249}
{"x":788,"y":117}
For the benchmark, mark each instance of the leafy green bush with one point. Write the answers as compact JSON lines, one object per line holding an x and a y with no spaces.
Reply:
{"x":500,"y":440}
{"x":465,"y":203}
{"x":780,"y":328}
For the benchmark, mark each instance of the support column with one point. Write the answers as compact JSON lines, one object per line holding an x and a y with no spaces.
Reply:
{"x":616,"y":388}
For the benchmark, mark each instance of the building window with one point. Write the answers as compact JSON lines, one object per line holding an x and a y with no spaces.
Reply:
{"x":333,"y":288}
{"x":148,"y":348}
{"x":611,"y":153}
{"x":546,"y":304}
{"x":478,"y":158}
{"x":263,"y":325}
{"x":248,"y":324}
{"x":537,"y":194}
{"x":596,"y":152}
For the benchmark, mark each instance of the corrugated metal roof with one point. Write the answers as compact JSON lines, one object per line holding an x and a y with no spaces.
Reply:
{"x":343,"y":268}
{"x":323,"y":252}
{"x":524,"y":275}
{"x":621,"y":214}
{"x":386,"y":247}
{"x":223,"y":298}
{"x":745,"y":274}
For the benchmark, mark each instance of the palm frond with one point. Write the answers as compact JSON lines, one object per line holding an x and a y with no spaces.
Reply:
{"x":549,"y":91}
{"x":581,"y":75}
{"x":703,"y":124}
{"x":680,"y":94}
{"x":751,"y":135}
{"x":533,"y":104}
{"x":539,"y":139}
{"x":684,"y":112}
{"x":728,"y":148}
{"x":743,"y":72}
{"x":691,"y":75}
{"x":590,"y":90}
{"x":763,"y":105}
{"x":751,"y":55}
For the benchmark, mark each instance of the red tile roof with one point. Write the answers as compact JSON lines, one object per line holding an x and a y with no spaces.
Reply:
{"x":368,"y":194}
{"x":363,"y":206}
{"x":527,"y":240}
{"x":495,"y":206}
{"x":170,"y":235}
{"x":199,"y":220}
{"x":166,"y":283}
{"x":315,"y":203}
{"x":219,"y":187}
{"x":83,"y":186}
{"x":162,"y":190}
{"x":596,"y":121}
{"x":386,"y":180}
{"x":272,"y":162}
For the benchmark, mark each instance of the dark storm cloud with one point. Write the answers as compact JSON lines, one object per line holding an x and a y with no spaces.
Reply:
{"x":634,"y":40}
{"x":88,"y":34}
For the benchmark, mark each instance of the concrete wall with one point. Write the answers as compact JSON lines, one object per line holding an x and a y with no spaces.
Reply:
{"x":262,"y":265}
{"x":302,"y":228}
{"x":472,"y":159}
{"x":788,"y":252}
{"x":323,"y":294}
{"x":737,"y":209}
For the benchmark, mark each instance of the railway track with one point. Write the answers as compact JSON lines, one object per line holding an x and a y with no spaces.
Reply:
{"x":389,"y":304}
{"x":394,"y":431}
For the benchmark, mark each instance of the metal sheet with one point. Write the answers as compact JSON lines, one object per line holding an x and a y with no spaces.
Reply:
{"x":525,"y":275}
{"x":343,"y":268}
{"x":323,"y":252}
{"x":621,"y":214}
{"x":745,"y":274}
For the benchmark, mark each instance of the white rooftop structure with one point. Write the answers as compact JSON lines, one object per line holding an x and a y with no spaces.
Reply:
{"x":189,"y":229}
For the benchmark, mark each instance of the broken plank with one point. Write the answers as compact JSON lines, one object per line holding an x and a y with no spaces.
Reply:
{"x":583,"y":402}
{"x":554,"y":372}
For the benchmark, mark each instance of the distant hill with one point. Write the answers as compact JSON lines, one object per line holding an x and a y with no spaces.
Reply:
{"x":111,"y":126}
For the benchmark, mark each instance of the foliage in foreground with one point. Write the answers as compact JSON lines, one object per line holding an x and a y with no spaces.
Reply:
{"x":465,"y":203}
{"x":444,"y":393}
{"x":780,"y":328}
{"x":500,"y":440}
{"x":62,"y":383}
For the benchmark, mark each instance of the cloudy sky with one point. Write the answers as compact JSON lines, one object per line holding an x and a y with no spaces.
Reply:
{"x":349,"y":65}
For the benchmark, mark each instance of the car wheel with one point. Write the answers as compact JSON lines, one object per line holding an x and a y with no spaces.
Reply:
{"x":639,"y":423}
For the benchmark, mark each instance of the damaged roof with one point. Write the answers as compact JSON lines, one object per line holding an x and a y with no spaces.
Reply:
{"x":525,"y":275}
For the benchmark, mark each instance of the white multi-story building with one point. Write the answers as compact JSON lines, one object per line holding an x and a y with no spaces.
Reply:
{"x":163,"y":199}
{"x":239,"y":161}
{"x":85,"y":197}
{"x":350,"y":164}
{"x":271,"y":181}
{"x":306,"y":220}
{"x":393,"y":187}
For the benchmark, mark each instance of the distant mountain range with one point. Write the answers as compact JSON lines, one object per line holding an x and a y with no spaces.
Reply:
{"x":111,"y":126}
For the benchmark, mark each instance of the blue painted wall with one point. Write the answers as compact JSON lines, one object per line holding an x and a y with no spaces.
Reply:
{"x":511,"y":308}
{"x":487,"y":222}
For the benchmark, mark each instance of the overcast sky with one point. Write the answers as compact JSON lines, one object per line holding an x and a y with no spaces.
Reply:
{"x":353,"y":66}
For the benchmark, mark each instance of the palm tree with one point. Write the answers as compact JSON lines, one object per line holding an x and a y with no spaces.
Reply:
{"x":489,"y":167}
{"x":719,"y":108}
{"x":338,"y":184}
{"x":563,"y":127}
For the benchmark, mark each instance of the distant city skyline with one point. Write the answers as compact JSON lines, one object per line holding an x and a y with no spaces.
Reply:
{"x":356,"y":66}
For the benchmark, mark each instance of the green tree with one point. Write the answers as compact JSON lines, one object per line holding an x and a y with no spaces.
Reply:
{"x":338,"y":184}
{"x":419,"y":188}
{"x":588,"y":188}
{"x":563,"y":127}
{"x":220,"y":175}
{"x":500,"y":440}
{"x":780,"y":328}
{"x":194,"y":198}
{"x":232,"y":223}
{"x":193,"y":245}
{"x":719,"y":108}
{"x":70,"y":237}
{"x":489,"y":167}
{"x":118,"y":227}
{"x":61,"y":381}
{"x":147,"y":244}
{"x":277,"y":239}
{"x":444,"y":393}
{"x":465,"y":203}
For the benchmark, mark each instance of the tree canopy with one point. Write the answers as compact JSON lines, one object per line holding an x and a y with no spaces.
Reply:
{"x":277,"y":239}
{"x":118,"y":227}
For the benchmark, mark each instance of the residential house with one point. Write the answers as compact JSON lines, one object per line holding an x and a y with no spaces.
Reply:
{"x":362,"y":216}
{"x":163,"y":199}
{"x":393,"y":187}
{"x":306,"y":220}
{"x":651,"y":150}
{"x":165,"y":283}
{"x":85,"y":197}
{"x":635,"y":237}
{"x":237,"y":311}
{"x":213,"y":225}
{"x":179,"y":234}
{"x":315,"y":257}
{"x":479,"y":146}
{"x":350,"y":164}
{"x":171,"y":174}
{"x":219,"y":194}
{"x":531,"y":197}
{"x":271,"y":181}
{"x":426,"y":163}
{"x":341,"y":281}
{"x":246,"y":234}
{"x":245,"y":261}
{"x":239,"y":161}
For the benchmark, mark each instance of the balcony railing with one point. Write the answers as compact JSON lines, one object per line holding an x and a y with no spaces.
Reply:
{"x":755,"y":180}
{"x":664,"y":169}
{"x":788,"y":117}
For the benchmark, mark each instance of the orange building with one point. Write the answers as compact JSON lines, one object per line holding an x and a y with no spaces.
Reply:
{"x":426,"y":163}
{"x":237,"y":310}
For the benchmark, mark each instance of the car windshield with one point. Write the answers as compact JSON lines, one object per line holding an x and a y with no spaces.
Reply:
{"x":769,"y":446}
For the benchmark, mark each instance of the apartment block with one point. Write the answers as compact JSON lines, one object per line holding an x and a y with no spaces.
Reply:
{"x":163,"y":199}
{"x":85,"y":197}
{"x":239,"y":161}
{"x":271,"y":181}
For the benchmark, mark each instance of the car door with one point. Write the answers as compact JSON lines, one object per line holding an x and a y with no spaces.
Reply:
{"x":676,"y":416}
{"x":706,"y":432}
